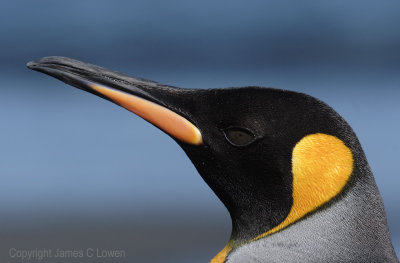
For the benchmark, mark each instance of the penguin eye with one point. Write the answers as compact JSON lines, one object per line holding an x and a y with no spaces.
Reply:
{"x":239,"y":136}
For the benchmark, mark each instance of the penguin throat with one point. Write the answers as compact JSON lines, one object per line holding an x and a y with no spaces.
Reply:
{"x":321,"y":166}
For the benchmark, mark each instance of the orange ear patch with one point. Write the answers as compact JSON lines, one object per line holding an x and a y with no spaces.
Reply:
{"x":321,"y":167}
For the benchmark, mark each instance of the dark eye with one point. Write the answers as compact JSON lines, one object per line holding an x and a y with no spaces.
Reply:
{"x":239,"y":136}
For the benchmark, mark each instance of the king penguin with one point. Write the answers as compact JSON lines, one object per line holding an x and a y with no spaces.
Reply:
{"x":288,"y":168}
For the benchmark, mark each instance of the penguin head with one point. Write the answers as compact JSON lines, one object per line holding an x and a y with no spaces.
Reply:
{"x":271,"y":156}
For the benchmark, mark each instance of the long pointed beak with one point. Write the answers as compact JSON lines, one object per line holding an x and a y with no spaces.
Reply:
{"x":145,"y":98}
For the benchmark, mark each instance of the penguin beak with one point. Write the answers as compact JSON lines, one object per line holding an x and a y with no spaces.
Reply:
{"x":145,"y":98}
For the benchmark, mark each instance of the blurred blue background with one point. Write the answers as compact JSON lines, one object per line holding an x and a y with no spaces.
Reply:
{"x":77,"y":171}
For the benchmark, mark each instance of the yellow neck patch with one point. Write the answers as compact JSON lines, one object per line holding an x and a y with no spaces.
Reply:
{"x":321,"y":167}
{"x":221,"y":256}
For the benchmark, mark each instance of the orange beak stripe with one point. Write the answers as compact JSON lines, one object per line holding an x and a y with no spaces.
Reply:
{"x":165,"y":119}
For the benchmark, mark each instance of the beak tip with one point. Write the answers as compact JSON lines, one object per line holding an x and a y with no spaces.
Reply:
{"x":34,"y":64}
{"x":31,"y":64}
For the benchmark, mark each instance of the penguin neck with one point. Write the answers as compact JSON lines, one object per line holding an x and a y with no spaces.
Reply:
{"x":355,"y":220}
{"x":252,"y":221}
{"x":255,"y":202}
{"x":258,"y":211}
